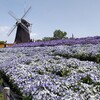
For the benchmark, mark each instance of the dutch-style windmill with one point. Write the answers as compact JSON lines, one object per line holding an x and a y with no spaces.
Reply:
{"x":23,"y":32}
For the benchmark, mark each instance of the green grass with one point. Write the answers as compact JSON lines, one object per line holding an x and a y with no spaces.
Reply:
{"x":1,"y":96}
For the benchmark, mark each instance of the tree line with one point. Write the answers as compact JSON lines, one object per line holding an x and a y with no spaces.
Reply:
{"x":58,"y":34}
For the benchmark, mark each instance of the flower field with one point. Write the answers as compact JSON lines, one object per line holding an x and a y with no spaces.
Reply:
{"x":55,"y":70}
{"x":86,"y":40}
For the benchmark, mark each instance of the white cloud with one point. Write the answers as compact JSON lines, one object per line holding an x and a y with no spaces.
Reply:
{"x":33,"y":35}
{"x":4,"y":29}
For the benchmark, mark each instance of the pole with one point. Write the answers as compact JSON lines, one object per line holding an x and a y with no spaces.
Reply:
{"x":6,"y":93}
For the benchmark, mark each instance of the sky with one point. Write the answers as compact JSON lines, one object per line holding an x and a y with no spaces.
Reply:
{"x":78,"y":17}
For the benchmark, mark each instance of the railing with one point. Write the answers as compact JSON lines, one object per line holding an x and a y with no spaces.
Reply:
{"x":5,"y":45}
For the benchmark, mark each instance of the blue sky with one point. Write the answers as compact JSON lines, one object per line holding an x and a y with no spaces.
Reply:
{"x":78,"y":17}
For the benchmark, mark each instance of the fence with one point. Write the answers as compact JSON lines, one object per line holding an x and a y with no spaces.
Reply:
{"x":5,"y":45}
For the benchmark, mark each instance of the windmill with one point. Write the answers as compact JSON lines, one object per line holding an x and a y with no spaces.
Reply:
{"x":23,"y":32}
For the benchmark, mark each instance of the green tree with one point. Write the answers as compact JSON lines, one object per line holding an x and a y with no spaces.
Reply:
{"x":3,"y":42}
{"x":47,"y":38}
{"x":58,"y":34}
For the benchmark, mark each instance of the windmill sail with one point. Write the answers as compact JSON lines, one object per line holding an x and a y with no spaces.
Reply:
{"x":12,"y":29}
{"x":26,"y":12}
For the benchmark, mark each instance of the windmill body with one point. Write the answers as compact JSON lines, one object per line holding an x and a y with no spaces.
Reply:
{"x":22,"y":33}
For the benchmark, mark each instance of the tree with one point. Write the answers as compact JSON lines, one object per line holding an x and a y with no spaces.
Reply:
{"x":58,"y":34}
{"x":47,"y":38}
{"x":3,"y":42}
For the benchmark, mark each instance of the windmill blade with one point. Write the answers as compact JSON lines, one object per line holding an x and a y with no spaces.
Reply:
{"x":12,"y":14}
{"x":12,"y":29}
{"x":24,"y":27}
{"x":26,"y":12}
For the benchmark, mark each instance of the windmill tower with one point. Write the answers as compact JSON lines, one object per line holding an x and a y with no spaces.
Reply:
{"x":23,"y":32}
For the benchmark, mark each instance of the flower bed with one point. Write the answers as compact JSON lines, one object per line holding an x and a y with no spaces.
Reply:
{"x":54,"y":72}
{"x":87,"y":40}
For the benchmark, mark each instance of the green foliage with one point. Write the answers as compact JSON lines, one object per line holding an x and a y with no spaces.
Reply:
{"x":75,"y":88}
{"x":58,"y":34}
{"x":1,"y":96}
{"x":87,"y":80}
{"x":97,"y":83}
{"x":97,"y":88}
{"x":81,"y":56}
{"x":2,"y":42}
{"x":80,"y":71}
{"x":64,"y":72}
{"x":28,"y":62}
{"x":27,"y":98}
{"x":97,"y":58}
{"x":40,"y":72}
{"x":47,"y":38}
{"x":1,"y":81}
